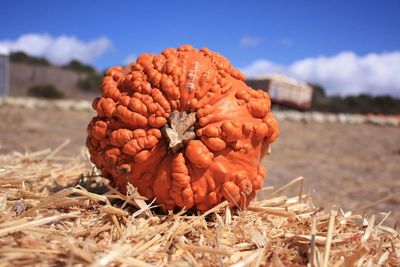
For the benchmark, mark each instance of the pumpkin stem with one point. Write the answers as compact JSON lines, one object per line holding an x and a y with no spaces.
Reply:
{"x":179,"y":130}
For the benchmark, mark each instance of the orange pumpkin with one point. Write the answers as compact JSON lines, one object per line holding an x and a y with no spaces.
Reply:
{"x":183,"y":128}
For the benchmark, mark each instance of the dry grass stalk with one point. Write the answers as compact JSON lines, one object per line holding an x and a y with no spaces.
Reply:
{"x":331,"y":229}
{"x":57,"y":211}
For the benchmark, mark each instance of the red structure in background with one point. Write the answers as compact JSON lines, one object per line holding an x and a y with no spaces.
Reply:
{"x":284,"y":91}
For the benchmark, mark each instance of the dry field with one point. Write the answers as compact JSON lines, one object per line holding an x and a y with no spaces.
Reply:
{"x":344,"y":165}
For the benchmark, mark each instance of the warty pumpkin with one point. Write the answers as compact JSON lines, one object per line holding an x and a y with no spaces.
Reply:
{"x":183,"y":128}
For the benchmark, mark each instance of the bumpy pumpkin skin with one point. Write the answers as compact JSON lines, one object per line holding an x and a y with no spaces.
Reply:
{"x":233,"y":130}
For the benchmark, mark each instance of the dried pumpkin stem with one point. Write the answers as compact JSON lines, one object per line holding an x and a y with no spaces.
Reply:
{"x":179,"y":130}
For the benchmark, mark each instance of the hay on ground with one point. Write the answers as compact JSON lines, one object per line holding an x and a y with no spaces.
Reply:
{"x":59,"y":211}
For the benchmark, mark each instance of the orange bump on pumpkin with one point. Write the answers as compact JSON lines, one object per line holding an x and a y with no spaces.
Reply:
{"x":183,"y":128}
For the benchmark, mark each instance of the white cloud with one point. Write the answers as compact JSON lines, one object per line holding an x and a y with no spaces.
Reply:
{"x":286,"y":42}
{"x":60,"y":49}
{"x":344,"y":74}
{"x":130,"y":58}
{"x":249,"y":41}
{"x":262,"y":67}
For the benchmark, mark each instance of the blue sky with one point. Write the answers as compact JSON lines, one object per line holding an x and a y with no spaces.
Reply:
{"x":257,"y":36}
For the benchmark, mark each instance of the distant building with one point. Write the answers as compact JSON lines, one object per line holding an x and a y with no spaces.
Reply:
{"x":4,"y":71}
{"x":284,"y":91}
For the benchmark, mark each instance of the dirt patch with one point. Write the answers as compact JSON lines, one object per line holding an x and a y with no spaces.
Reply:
{"x":343,"y":165}
{"x":31,"y":130}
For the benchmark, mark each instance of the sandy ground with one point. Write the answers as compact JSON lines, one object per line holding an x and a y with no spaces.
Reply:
{"x":343,"y":165}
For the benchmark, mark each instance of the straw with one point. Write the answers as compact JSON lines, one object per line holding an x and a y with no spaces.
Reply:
{"x":51,"y":214}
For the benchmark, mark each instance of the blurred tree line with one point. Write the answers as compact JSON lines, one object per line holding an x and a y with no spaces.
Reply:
{"x":21,"y":57}
{"x":90,"y":82}
{"x":47,"y":91}
{"x":362,"y":103}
